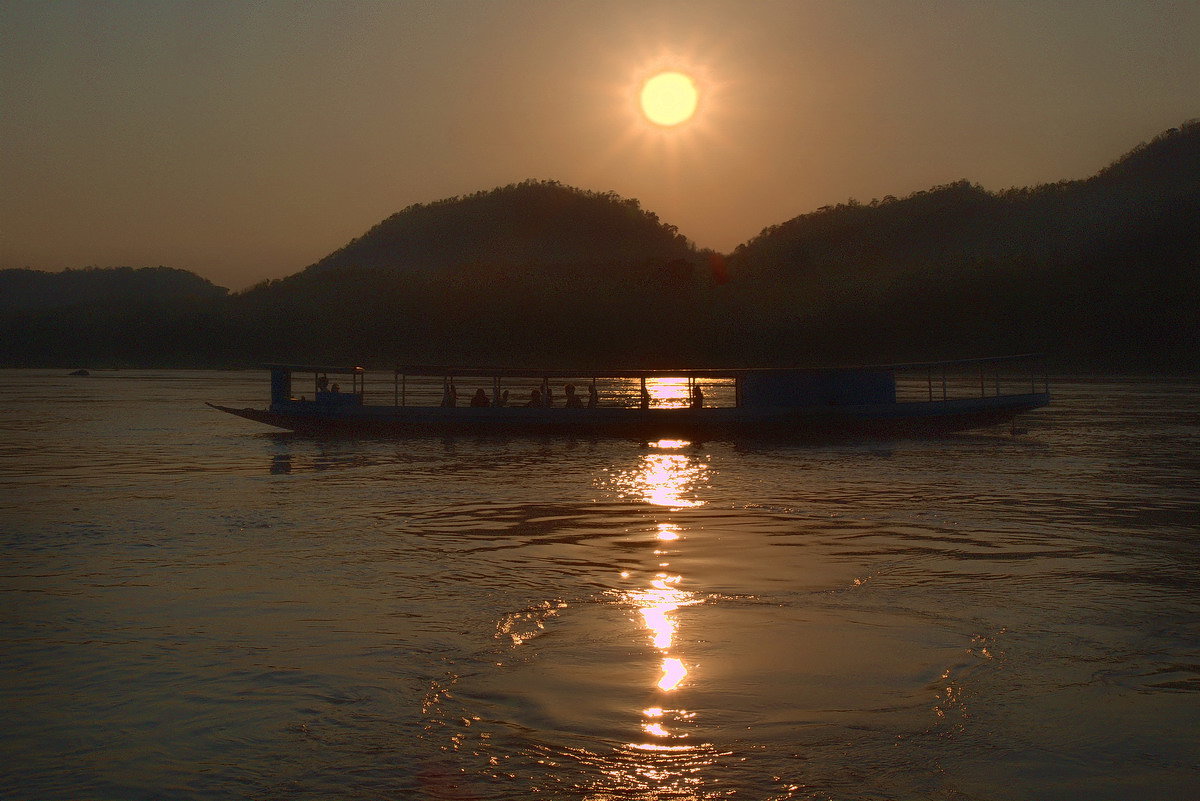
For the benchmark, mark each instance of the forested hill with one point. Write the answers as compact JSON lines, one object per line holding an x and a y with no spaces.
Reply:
{"x":112,"y":287}
{"x":1101,"y":273}
{"x":963,"y":225}
{"x":110,"y":317}
{"x":534,"y":223}
{"x":534,"y":270}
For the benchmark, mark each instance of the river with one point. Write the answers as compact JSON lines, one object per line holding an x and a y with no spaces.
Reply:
{"x":195,"y":607}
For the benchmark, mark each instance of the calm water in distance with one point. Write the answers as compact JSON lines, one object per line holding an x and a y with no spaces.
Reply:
{"x":194,"y":607}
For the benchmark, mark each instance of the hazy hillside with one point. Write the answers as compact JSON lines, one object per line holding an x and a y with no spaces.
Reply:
{"x":534,"y":269}
{"x":154,"y":316}
{"x":32,"y":289}
{"x":1099,"y":273}
{"x":527,"y":224}
{"x":1103,"y":270}
{"x":964,"y":224}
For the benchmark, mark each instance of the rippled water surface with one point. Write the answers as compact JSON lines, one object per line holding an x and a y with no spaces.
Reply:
{"x":194,"y":607}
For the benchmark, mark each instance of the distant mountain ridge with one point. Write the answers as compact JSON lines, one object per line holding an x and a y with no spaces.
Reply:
{"x":26,"y":289}
{"x":533,"y":223}
{"x":1100,"y":271}
{"x":963,"y":223}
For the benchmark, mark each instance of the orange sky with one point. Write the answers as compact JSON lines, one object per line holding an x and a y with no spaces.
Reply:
{"x":246,"y":141}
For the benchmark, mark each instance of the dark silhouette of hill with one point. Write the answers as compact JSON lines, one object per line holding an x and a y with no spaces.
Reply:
{"x":1102,"y":270}
{"x":1099,"y":273}
{"x":104,"y":317}
{"x":534,"y":268}
{"x":32,"y":289}
{"x":534,"y":223}
{"x":963,"y":222}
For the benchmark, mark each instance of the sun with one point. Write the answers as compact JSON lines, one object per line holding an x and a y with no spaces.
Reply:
{"x":669,"y":98}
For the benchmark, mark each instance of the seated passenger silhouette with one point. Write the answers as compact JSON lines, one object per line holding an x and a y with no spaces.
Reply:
{"x":573,"y":400}
{"x":593,"y":396}
{"x":535,"y":398}
{"x":480,"y":399}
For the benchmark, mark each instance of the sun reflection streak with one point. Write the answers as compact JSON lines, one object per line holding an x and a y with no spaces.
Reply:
{"x":667,"y":532}
{"x":661,"y":747}
{"x":662,"y":626}
{"x":655,"y":729}
{"x":656,"y":605}
{"x":673,"y":673}
{"x":669,"y":393}
{"x":669,"y":474}
{"x":666,"y":477}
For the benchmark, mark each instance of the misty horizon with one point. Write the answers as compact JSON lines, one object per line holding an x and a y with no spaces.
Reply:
{"x":691,"y":240}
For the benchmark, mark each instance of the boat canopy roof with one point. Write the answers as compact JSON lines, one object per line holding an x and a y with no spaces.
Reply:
{"x":522,"y":372}
{"x":316,"y":368}
{"x":731,"y":372}
{"x":1015,"y":357}
{"x":714,"y":372}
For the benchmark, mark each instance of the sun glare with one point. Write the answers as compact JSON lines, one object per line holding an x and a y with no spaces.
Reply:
{"x":669,"y":98}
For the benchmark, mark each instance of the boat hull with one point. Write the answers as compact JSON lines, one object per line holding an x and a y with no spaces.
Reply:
{"x":894,"y":419}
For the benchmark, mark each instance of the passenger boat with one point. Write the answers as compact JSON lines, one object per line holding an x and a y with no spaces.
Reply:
{"x":886,"y":400}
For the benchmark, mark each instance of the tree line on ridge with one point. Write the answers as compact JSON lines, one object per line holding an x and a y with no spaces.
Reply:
{"x":1097,"y":273}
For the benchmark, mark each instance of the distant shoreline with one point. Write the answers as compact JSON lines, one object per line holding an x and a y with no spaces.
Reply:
{"x":1056,"y":371}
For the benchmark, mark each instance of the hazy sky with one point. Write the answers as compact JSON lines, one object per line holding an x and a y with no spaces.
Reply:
{"x":247,"y":140}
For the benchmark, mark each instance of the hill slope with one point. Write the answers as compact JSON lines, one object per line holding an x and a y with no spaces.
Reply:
{"x":1101,"y":273}
{"x":964,"y":224}
{"x":115,"y":286}
{"x":534,"y":223}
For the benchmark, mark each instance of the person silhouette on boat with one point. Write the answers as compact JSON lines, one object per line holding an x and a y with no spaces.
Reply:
{"x":573,"y":400}
{"x":322,"y":382}
{"x":480,"y":399}
{"x":593,"y":396}
{"x":644,"y":402}
{"x":547,"y":393}
{"x":697,"y":397}
{"x":449,"y":394}
{"x":535,"y":399}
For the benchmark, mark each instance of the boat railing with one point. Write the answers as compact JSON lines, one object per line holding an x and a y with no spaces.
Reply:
{"x":914,"y":381}
{"x":1000,"y":376}
{"x":514,"y":389}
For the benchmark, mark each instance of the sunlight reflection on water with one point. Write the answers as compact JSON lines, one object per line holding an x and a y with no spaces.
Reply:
{"x":667,"y":476}
{"x":669,"y":761}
